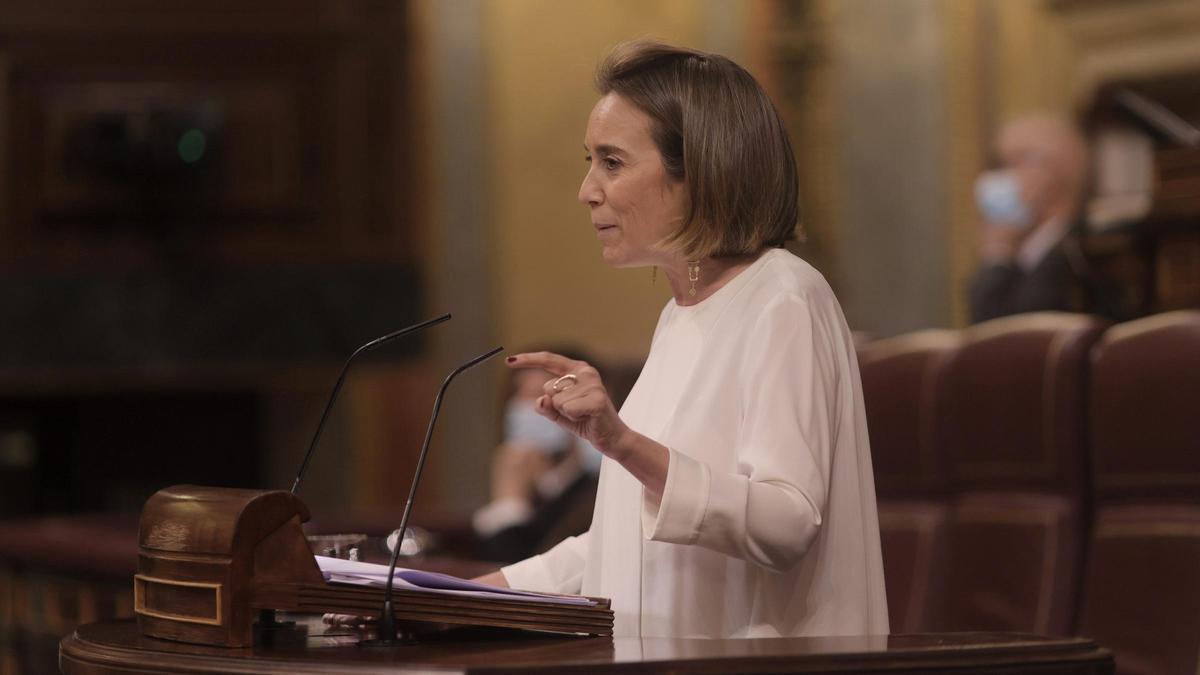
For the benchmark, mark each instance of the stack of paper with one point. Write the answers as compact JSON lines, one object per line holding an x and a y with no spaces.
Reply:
{"x":371,"y":574}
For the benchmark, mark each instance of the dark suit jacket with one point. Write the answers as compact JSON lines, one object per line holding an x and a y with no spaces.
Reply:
{"x":1003,"y":289}
{"x":1062,"y":281}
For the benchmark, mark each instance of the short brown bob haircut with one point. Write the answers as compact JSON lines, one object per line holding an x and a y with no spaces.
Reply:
{"x":719,"y":133}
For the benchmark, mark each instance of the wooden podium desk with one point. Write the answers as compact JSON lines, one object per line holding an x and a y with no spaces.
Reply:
{"x":117,"y":647}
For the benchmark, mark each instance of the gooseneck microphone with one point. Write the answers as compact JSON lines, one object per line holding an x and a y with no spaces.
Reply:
{"x":387,"y":619}
{"x":342,"y":378}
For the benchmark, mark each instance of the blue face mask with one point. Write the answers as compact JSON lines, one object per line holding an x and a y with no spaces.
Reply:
{"x":998,"y":195}
{"x":522,"y":424}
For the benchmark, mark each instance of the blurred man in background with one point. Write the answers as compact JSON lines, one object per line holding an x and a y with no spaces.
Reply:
{"x":1030,"y":203}
{"x":543,"y":478}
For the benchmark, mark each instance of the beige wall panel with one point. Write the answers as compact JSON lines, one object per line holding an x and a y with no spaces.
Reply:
{"x":1034,"y":57}
{"x":891,"y":251}
{"x":967,"y":132}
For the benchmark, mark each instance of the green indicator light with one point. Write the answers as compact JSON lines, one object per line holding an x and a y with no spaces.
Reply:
{"x":192,"y":145}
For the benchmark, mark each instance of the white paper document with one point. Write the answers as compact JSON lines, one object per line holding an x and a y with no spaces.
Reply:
{"x":371,"y":574}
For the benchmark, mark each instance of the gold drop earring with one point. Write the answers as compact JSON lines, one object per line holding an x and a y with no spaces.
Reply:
{"x":693,"y":275}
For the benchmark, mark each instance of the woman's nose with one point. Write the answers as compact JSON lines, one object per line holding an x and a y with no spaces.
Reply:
{"x":589,"y":192}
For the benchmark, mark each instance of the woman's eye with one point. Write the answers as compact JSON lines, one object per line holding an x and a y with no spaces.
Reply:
{"x":610,"y":163}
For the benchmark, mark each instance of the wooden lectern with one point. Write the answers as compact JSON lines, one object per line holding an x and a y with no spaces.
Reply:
{"x":210,"y":559}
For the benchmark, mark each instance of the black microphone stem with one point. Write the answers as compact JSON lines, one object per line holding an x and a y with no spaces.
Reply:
{"x":342,"y":378}
{"x":387,"y":620}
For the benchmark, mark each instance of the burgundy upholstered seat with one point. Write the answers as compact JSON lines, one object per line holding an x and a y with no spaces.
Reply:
{"x":900,"y":379}
{"x":1013,"y":419}
{"x":1142,"y":584}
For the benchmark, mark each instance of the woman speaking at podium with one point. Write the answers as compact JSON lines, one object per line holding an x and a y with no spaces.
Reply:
{"x":736,"y":497}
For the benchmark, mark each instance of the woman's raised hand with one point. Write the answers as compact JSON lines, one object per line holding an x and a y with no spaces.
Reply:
{"x":576,"y":399}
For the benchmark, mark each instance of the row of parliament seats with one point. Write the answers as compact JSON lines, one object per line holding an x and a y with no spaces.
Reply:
{"x":1041,"y":473}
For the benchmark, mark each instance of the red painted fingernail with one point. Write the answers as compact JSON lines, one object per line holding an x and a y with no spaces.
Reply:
{"x":511,"y":359}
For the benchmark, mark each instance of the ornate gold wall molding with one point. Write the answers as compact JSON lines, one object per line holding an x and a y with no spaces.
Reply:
{"x":1128,"y":40}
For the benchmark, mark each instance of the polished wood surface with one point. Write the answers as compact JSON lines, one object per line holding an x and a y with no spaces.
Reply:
{"x":118,"y":647}
{"x":204,"y":551}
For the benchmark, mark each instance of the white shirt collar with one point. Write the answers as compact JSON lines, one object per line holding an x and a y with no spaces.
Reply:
{"x":1041,"y":241}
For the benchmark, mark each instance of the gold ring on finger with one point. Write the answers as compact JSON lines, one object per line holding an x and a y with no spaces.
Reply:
{"x":558,"y":384}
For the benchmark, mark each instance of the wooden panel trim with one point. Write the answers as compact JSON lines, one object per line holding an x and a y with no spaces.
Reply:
{"x":139,"y":599}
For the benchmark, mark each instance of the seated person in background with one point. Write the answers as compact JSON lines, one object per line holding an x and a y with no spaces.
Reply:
{"x":1030,"y":203}
{"x":543,"y":479}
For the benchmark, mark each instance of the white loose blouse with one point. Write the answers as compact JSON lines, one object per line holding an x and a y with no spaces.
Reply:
{"x":767,"y":524}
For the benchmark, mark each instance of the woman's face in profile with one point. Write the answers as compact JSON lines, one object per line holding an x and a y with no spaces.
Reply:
{"x":635,"y":204}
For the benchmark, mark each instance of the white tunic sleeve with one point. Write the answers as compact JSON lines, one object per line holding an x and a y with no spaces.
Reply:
{"x":768,"y":509}
{"x":559,"y":570}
